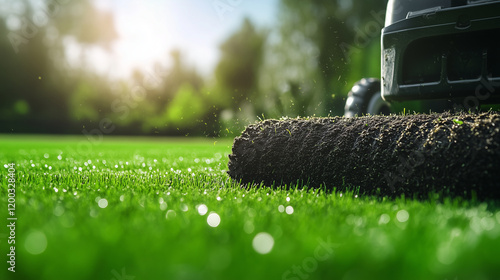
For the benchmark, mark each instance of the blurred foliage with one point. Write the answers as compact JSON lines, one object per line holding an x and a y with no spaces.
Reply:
{"x":239,"y":64}
{"x":85,"y":22}
{"x":305,"y":65}
{"x":37,"y":88}
{"x":237,"y":76}
{"x":186,"y":108}
{"x":316,"y":54}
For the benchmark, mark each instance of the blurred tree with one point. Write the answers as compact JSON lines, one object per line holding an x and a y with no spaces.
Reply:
{"x":239,"y":65}
{"x":237,"y":75}
{"x":187,"y":108}
{"x":315,"y":52}
{"x":174,"y":97}
{"x":83,"y":21}
{"x":178,"y":75}
{"x":29,"y":78}
{"x":36,"y":84}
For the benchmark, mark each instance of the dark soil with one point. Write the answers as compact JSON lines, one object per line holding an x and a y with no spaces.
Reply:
{"x":453,"y":154}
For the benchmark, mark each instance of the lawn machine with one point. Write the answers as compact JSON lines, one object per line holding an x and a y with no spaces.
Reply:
{"x":444,"y":56}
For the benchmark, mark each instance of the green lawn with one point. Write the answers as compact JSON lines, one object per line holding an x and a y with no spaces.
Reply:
{"x":164,"y":208}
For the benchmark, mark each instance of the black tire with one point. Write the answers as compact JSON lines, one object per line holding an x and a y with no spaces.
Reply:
{"x":365,"y":98}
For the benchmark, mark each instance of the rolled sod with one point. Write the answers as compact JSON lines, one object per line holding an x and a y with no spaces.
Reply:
{"x":455,"y":154}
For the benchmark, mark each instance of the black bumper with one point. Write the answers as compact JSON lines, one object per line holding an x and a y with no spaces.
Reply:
{"x":443,"y":54}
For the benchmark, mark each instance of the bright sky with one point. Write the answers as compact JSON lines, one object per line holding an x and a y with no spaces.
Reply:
{"x":150,"y":29}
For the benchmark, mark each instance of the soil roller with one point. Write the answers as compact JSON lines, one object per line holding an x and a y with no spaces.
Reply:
{"x":416,"y":154}
{"x":435,"y":53}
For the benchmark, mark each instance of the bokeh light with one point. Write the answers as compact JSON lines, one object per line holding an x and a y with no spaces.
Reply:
{"x":263,"y":243}
{"x":202,"y":209}
{"x":213,"y":219}
{"x":103,"y":203}
{"x":36,"y":242}
{"x":402,"y":216}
